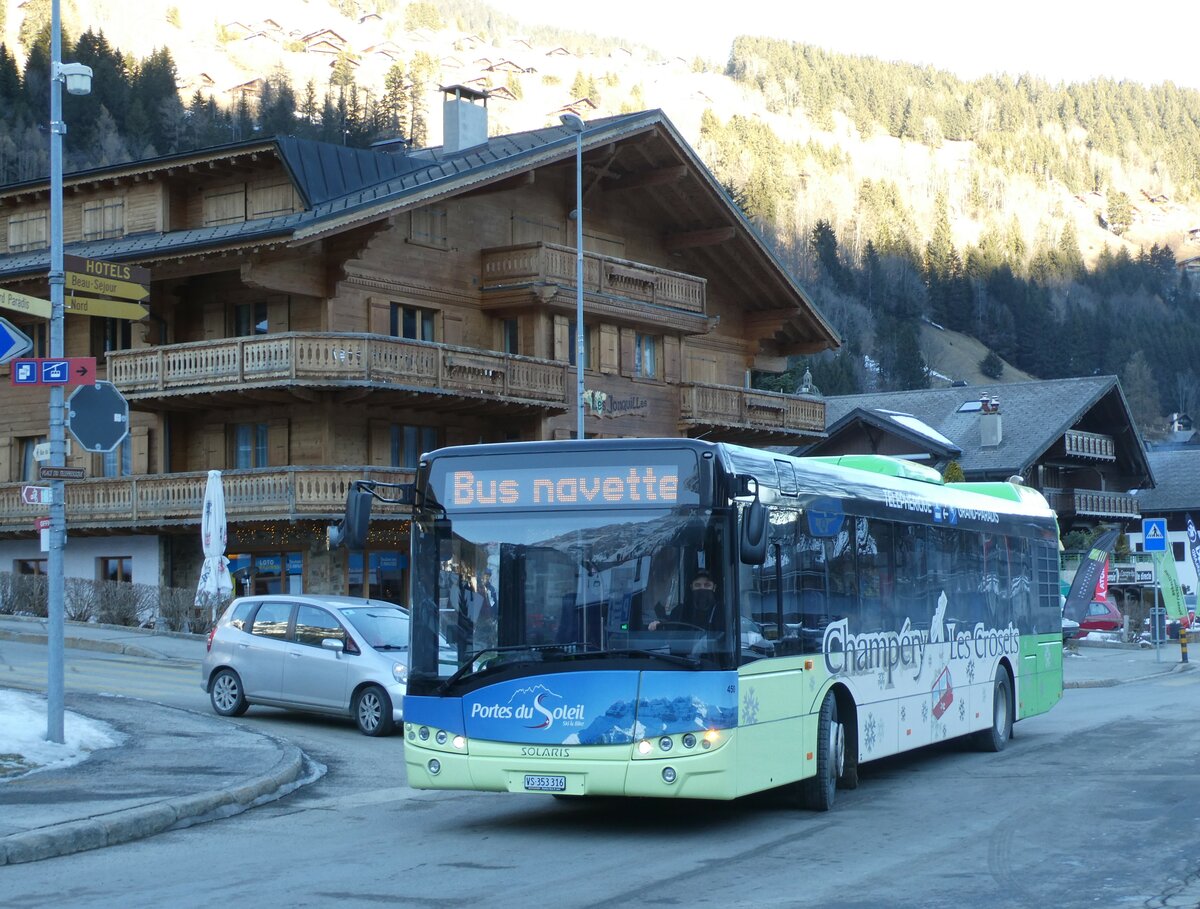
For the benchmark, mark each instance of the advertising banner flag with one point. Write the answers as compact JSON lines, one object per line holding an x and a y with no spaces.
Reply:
{"x":1088,"y":575}
{"x":1168,"y":578}
{"x":1194,"y":544}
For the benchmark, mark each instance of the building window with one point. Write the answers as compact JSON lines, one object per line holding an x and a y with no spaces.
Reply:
{"x":115,"y":568}
{"x":259,"y":574}
{"x":119,"y":461}
{"x":589,"y":341}
{"x":427,"y":227}
{"x":511,"y":336}
{"x":29,"y":467}
{"x":250,"y":319}
{"x":28,"y":231}
{"x":645,"y":356}
{"x":411,"y":322}
{"x":385,"y":577}
{"x":225,"y":206}
{"x":410,"y":442}
{"x":110,"y":334}
{"x":250,"y":445}
{"x":104,"y":219}
{"x":30,"y":566}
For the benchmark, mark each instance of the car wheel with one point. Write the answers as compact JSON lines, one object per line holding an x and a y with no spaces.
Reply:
{"x":227,"y":695}
{"x":996,"y":736}
{"x":373,"y":711}
{"x":818,"y":792}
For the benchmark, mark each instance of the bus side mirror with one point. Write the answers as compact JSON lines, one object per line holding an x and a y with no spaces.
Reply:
{"x":753,"y":536}
{"x":352,"y":530}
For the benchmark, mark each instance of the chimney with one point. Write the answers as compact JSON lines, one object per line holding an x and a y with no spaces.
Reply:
{"x":464,"y":123}
{"x":989,"y":422}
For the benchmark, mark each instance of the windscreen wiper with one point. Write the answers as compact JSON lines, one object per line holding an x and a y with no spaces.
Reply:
{"x":677,"y":659}
{"x":467,"y":669}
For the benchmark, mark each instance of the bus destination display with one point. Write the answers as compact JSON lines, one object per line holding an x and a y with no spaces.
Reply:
{"x":566,"y":486}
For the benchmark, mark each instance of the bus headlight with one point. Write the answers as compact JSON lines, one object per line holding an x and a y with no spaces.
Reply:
{"x":644,"y":747}
{"x":423,"y":732}
{"x":665,"y":743}
{"x":460,"y":742}
{"x":689,"y":741}
{"x":435,"y":766}
{"x":668,"y":774}
{"x":441,"y":737}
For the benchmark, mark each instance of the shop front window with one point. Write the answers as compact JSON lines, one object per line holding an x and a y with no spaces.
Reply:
{"x":385,"y":577}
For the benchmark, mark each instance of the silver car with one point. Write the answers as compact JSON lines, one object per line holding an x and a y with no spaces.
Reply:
{"x":342,"y":656}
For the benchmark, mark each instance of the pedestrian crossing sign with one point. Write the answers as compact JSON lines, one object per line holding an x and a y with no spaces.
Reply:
{"x":1154,"y":534}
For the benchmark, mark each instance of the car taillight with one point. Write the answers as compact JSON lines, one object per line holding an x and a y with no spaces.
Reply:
{"x":211,"y":632}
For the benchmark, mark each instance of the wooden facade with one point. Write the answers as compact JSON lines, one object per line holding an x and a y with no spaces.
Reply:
{"x":297,"y":360}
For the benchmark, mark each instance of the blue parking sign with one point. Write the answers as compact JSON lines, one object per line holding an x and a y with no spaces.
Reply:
{"x":1154,"y":534}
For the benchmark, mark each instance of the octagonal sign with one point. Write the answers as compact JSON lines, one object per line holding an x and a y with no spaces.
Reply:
{"x":98,"y":416}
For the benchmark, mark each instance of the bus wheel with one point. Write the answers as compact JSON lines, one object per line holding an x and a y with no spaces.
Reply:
{"x":996,"y":736}
{"x":818,"y":792}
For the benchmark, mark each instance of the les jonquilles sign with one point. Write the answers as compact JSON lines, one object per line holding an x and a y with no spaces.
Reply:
{"x":605,"y":404}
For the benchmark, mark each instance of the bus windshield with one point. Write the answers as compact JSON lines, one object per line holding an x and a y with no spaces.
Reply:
{"x":571,"y":586}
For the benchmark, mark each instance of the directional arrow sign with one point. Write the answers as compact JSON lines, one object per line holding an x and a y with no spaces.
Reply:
{"x":49,"y":371}
{"x":110,"y":287}
{"x":108,"y":309}
{"x":35,"y":495}
{"x":22,"y":303}
{"x":13,"y":341}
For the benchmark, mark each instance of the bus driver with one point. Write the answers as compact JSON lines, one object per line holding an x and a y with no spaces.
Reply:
{"x":699,"y":610}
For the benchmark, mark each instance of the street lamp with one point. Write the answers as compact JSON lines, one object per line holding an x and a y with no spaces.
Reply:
{"x":575,"y":123}
{"x":78,"y":79}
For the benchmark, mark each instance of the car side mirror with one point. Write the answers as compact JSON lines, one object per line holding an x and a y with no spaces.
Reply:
{"x":333,"y":644}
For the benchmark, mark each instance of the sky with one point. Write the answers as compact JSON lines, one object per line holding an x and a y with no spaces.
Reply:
{"x":1059,"y":40}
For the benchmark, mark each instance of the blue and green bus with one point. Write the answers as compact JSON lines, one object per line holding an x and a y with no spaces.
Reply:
{"x":861,"y":607}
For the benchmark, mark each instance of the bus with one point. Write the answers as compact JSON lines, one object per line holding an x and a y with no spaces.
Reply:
{"x":856,"y":607}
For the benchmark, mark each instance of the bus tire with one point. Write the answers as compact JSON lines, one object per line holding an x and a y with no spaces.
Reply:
{"x":818,"y":792}
{"x":996,"y":736}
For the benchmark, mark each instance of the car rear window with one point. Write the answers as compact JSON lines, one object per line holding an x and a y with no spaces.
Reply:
{"x":272,"y":620}
{"x":241,"y":615}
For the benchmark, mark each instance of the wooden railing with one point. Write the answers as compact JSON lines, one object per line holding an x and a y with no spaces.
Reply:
{"x":335,"y":359}
{"x":1093,"y":502}
{"x":727,"y":405}
{"x":550,"y":263}
{"x":1089,"y":445}
{"x":262,"y":494}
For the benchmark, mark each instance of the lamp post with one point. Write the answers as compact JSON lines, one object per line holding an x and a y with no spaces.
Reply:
{"x":78,"y":79}
{"x":574,"y":123}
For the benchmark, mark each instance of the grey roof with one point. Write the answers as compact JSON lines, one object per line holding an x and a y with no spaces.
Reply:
{"x":337,"y":182}
{"x":1034,"y":415}
{"x":904,"y":425}
{"x":1176,"y":479}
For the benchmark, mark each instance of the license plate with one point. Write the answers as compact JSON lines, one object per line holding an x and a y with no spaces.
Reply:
{"x":545,"y":783}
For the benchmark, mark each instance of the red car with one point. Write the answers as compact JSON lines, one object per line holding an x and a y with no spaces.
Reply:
{"x":1101,"y":616}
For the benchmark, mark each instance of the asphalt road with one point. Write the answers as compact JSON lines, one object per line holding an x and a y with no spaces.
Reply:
{"x":1091,"y":805}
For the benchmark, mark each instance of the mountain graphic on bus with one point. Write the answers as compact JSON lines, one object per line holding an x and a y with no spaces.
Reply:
{"x":943,"y":693}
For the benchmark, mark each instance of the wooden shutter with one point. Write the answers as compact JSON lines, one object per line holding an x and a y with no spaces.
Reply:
{"x":277,"y":443}
{"x":6,"y":459}
{"x":671,"y":358}
{"x":139,"y":454}
{"x":214,"y":321}
{"x":628,"y":352}
{"x":562,"y":338}
{"x":214,"y":446}
{"x":278,"y":312}
{"x":379,"y":315}
{"x":452,"y":329}
{"x":609,"y":350}
{"x":379,"y":443}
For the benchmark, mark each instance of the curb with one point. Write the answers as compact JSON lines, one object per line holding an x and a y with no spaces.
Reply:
{"x":147,"y":820}
{"x":24,"y":637}
{"x":1110,"y":683}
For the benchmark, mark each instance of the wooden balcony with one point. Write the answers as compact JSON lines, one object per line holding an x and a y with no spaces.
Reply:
{"x":1092,"y":503}
{"x":1090,"y":445}
{"x":292,"y":365}
{"x":725,"y":412}
{"x":612,"y":287}
{"x":149,"y":502}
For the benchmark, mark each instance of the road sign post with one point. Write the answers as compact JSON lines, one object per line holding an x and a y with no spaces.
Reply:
{"x":98,"y":416}
{"x":1154,"y":539}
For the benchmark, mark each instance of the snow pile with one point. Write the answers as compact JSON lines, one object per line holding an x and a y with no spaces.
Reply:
{"x":23,"y":744}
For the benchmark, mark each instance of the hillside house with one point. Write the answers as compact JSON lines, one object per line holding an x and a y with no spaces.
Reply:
{"x":320,"y":314}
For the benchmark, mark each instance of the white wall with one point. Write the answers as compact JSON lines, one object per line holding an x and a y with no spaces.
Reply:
{"x":79,"y":557}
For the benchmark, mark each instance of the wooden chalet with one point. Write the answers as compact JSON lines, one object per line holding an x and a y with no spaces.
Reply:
{"x":320,"y":314}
